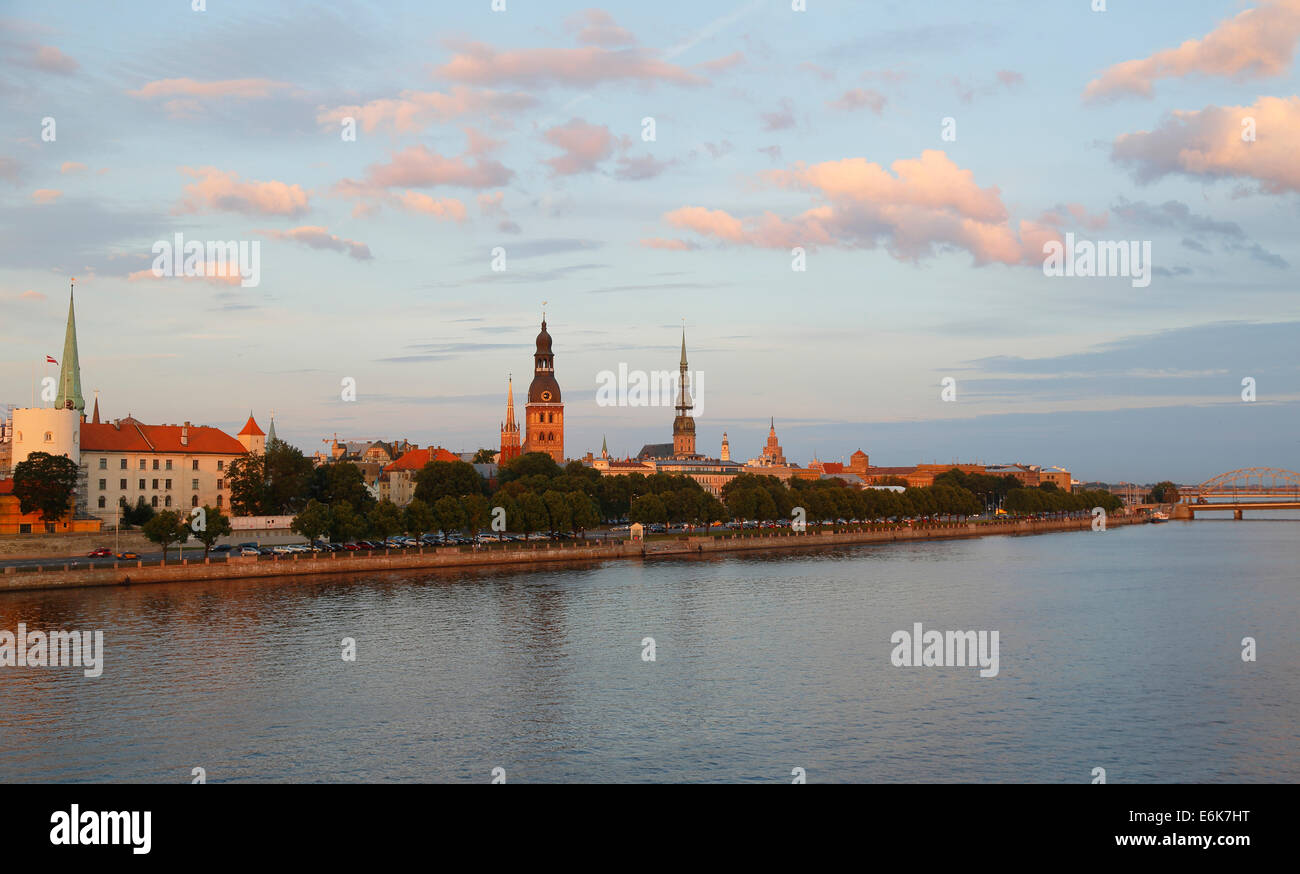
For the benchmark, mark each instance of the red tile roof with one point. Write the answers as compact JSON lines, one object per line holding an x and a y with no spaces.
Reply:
{"x":832,"y":467}
{"x":418,"y":458}
{"x":250,"y":427}
{"x":131,"y":436}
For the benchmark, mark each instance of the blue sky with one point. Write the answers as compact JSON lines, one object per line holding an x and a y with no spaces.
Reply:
{"x":522,"y":130}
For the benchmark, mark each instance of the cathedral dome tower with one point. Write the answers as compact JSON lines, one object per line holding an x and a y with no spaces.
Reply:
{"x":544,"y":412}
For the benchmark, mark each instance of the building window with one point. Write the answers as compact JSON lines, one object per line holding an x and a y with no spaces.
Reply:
{"x":122,"y":484}
{"x":221,"y":465}
{"x":194,"y":484}
{"x":142,"y":485}
{"x":194,"y":500}
{"x":168,"y":485}
{"x":49,"y":436}
{"x":218,"y":500}
{"x":103,"y":484}
{"x":155,"y":485}
{"x":194,"y":465}
{"x":102,"y":503}
{"x":169,"y":464}
{"x":142,"y":464}
{"x":168,"y":501}
{"x":221,"y":484}
{"x":155,"y":464}
{"x":154,"y":500}
{"x":103,"y":464}
{"x":123,"y":464}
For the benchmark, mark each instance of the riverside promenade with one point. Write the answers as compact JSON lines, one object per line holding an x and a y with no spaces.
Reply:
{"x":66,"y":576}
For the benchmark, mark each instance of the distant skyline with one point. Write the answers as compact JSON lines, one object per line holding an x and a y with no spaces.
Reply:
{"x":523,"y":130}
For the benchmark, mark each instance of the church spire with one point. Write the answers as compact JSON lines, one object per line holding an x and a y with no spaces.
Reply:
{"x":70,"y":369}
{"x":94,"y":420}
{"x":604,"y":447}
{"x":510,"y":403}
{"x":270,"y":431}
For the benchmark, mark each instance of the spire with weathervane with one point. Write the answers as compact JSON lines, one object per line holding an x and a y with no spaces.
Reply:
{"x":509,"y":428}
{"x":70,"y":368}
{"x":684,"y":423}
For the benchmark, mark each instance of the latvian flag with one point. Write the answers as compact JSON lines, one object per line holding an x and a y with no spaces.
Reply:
{"x":49,"y":359}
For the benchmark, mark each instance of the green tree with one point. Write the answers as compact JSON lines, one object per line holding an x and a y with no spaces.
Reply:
{"x":583,"y":513}
{"x":441,"y":479}
{"x":528,"y":464}
{"x":557,"y":511}
{"x":45,"y":483}
{"x":341,"y":481}
{"x":484,"y":456}
{"x":533,"y":511}
{"x":1163,"y":492}
{"x":346,"y":524}
{"x":478,"y":515}
{"x":313,"y":521}
{"x":418,"y":518}
{"x":137,"y":515}
{"x":209,"y":526}
{"x":648,"y":509}
{"x":450,"y":513}
{"x":385,"y":519}
{"x":246,"y":479}
{"x":166,"y":528}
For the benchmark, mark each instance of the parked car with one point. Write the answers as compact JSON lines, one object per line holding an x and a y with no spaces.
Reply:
{"x":248,"y":550}
{"x":222,"y":547}
{"x":99,"y":553}
{"x":128,"y":556}
{"x":350,"y":547}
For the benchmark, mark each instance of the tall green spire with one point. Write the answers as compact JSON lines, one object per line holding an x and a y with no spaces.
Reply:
{"x":270,"y":431}
{"x":70,"y":366}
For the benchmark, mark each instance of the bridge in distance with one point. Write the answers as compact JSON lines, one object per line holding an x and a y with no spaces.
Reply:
{"x":1249,"y":488}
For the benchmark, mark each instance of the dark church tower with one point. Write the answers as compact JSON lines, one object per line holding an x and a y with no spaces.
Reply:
{"x":684,"y":424}
{"x":544,"y":413}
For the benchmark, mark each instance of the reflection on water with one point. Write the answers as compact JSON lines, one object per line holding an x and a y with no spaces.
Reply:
{"x":1119,"y":650}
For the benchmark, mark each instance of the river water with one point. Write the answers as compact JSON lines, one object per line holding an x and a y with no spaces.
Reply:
{"x":1119,"y":650}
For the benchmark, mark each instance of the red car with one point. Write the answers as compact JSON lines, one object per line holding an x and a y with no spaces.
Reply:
{"x":99,"y":553}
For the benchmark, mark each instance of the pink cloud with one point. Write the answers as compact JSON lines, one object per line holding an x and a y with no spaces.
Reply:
{"x":445,"y":208}
{"x":481,"y":64}
{"x":421,"y":167}
{"x":316,"y":237}
{"x":52,"y":60}
{"x":46,"y":195}
{"x":672,"y":245}
{"x":584,"y":146}
{"x":596,"y":27}
{"x":213,"y":271}
{"x":717,"y":65}
{"x":70,"y":167}
{"x":1256,"y":42}
{"x":244,"y":89}
{"x":1208,"y":143}
{"x":924,"y":206}
{"x":413,"y":111}
{"x":218,"y":190}
{"x":860,"y":98}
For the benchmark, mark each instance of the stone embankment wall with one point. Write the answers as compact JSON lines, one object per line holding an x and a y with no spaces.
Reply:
{"x":235,"y":567}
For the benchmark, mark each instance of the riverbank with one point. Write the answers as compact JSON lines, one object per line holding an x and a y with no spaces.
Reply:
{"x":236,"y":567}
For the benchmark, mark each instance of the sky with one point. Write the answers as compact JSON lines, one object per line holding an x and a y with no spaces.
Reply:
{"x":640,"y":168}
